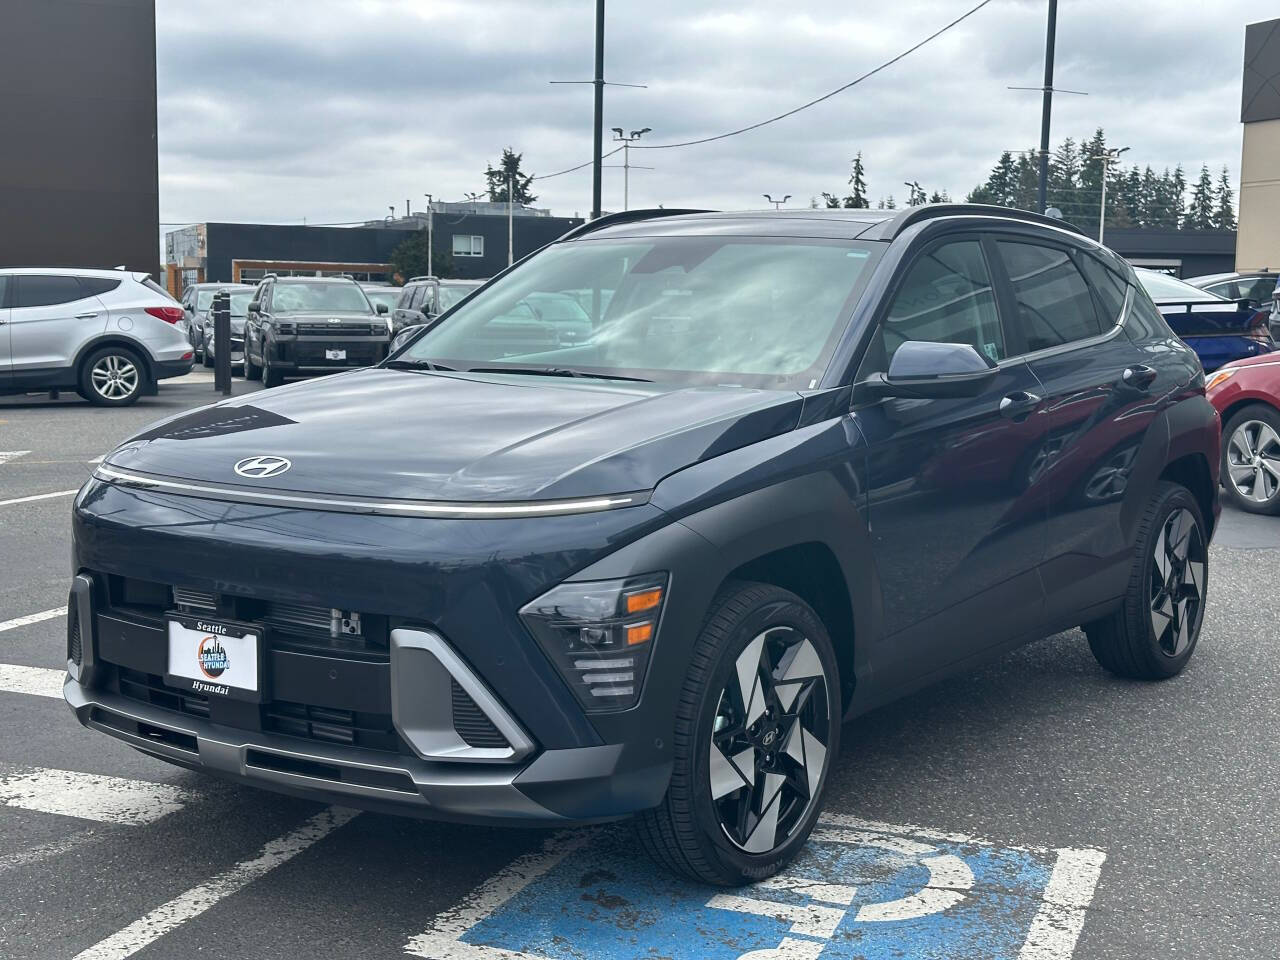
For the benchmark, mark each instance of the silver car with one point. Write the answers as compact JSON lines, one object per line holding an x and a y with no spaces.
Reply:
{"x":202,"y":327}
{"x":110,"y":335}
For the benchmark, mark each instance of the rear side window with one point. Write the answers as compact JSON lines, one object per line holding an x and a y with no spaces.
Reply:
{"x":1054,"y":303}
{"x":45,"y":291}
{"x":156,"y":288}
{"x":95,"y":286}
{"x":1107,"y":287}
{"x":946,"y":297}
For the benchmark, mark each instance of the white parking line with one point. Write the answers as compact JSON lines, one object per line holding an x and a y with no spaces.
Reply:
{"x":1056,"y":926}
{"x":31,"y":618}
{"x":7,"y":455}
{"x":38,"y":496}
{"x":90,"y":796}
{"x":186,"y":906}
{"x":36,"y":681}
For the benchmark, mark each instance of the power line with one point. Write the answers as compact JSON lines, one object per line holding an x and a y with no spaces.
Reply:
{"x":825,"y":96}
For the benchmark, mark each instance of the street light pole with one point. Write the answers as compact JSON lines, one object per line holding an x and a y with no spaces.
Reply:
{"x":777,"y":204}
{"x":598,"y":132}
{"x":511,"y":220}
{"x":1109,"y":157}
{"x":626,"y":142}
{"x":1046,"y":109}
{"x":430,"y":239}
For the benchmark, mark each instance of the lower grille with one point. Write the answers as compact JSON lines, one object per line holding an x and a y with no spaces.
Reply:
{"x":75,"y":650}
{"x":187,"y":599}
{"x":149,"y":688}
{"x":471,"y":723}
{"x":373,"y":731}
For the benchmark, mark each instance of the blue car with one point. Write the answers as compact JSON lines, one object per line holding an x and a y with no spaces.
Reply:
{"x":1217,"y":329}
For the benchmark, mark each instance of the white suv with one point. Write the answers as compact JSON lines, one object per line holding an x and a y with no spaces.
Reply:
{"x":107,"y":334}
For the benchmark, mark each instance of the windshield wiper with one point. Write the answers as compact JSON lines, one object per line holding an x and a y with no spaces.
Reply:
{"x":404,"y":363}
{"x":557,"y":372}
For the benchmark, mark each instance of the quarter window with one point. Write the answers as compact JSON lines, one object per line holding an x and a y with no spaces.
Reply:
{"x":1054,"y":305}
{"x":946,"y":297}
{"x":46,"y":291}
{"x":468,"y":245}
{"x":1110,"y":289}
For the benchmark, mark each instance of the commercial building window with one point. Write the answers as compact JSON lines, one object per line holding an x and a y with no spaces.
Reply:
{"x":465,"y":245}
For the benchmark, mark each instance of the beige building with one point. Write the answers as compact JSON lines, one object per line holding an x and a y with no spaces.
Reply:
{"x":1258,"y":242}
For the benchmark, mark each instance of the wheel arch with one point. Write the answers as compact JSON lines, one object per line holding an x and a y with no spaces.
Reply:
{"x":115,"y":340}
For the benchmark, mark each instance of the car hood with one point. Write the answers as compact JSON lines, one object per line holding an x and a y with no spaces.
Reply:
{"x":460,"y":437}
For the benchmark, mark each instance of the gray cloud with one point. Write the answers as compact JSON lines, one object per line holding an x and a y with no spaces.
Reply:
{"x":276,"y":110}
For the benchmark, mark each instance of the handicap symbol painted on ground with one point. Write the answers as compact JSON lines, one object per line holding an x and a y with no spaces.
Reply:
{"x":859,"y":890}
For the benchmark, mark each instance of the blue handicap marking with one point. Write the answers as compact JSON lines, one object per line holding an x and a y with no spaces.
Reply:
{"x":858,"y":890}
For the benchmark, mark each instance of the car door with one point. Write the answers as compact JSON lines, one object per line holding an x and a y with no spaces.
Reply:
{"x":254,"y":318}
{"x":1100,"y":397}
{"x":50,"y":318}
{"x":957,"y":531}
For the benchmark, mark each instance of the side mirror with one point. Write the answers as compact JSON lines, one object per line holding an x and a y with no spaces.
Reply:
{"x":923,"y":370}
{"x":404,"y":336}
{"x":1248,"y":304}
{"x":381,"y":308}
{"x":255,"y":306}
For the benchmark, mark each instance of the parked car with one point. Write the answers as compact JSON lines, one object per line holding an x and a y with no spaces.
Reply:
{"x":1247,"y":395}
{"x":241,"y":296}
{"x":1217,"y":329}
{"x":1258,"y":286}
{"x":196,"y":300}
{"x":804,"y":464}
{"x":110,"y":335}
{"x":382,"y":293}
{"x":424,"y":298}
{"x":300,"y":325}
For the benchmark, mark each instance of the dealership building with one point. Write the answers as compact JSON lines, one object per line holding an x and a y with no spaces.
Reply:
{"x":473,"y":239}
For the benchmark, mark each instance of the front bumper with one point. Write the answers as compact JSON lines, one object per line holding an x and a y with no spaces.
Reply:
{"x":302,"y":354}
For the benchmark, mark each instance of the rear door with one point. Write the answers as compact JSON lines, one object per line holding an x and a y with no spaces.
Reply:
{"x":958,"y":533}
{"x":1099,"y":400}
{"x":51,"y":316}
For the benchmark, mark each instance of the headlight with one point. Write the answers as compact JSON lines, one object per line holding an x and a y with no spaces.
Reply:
{"x":599,"y":634}
{"x":1219,"y":377}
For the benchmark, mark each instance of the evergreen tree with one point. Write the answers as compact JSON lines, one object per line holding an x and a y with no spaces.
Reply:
{"x":1026,"y":182}
{"x":1132,"y":194}
{"x":829,"y":200}
{"x":1064,"y":179}
{"x":1200,"y":212}
{"x":939,"y":196}
{"x":509,"y":168}
{"x":1224,"y":217}
{"x":1148,"y":202}
{"x":1180,"y":192}
{"x":857,"y":198}
{"x":1092,"y":169}
{"x":890,"y":203}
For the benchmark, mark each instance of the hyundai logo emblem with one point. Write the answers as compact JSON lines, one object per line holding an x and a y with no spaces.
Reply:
{"x":262,"y":468}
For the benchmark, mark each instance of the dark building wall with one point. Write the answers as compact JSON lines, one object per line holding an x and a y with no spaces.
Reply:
{"x":1200,"y":251}
{"x":229,"y":241}
{"x":78,"y":169}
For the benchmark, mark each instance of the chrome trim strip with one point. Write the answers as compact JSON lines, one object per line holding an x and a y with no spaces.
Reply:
{"x":439,"y":509}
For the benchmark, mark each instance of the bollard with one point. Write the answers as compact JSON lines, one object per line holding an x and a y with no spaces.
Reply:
{"x":222,"y":342}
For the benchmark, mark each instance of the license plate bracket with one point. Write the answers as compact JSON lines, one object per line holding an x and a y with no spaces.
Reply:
{"x":215,"y":657}
{"x":335,"y":354}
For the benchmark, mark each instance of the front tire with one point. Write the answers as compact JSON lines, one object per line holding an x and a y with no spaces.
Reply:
{"x":1155,"y":631}
{"x":757,"y":728}
{"x":271,"y":377}
{"x":1251,"y":459}
{"x":250,"y":371}
{"x":112,"y":377}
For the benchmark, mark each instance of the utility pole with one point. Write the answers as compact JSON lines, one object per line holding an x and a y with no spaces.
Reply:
{"x":430,"y":243}
{"x":626,"y":142}
{"x":1109,"y":158}
{"x":777,"y":204}
{"x":598,"y":131}
{"x":1046,"y":109}
{"x":511,"y":220}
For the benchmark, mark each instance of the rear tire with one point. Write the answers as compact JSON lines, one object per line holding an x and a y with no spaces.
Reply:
{"x":1251,"y":459}
{"x":744,"y":796}
{"x":205,"y":358}
{"x":1155,"y":631}
{"x":112,"y":377}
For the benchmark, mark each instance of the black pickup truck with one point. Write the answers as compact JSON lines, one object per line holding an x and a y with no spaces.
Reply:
{"x":306,"y":325}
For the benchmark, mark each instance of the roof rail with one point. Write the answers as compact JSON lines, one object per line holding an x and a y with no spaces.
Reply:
{"x":891,"y":228}
{"x":424,"y":277}
{"x":626,"y":216}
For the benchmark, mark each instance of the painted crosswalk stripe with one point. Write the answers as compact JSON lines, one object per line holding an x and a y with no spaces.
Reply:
{"x":7,"y":455}
{"x":38,"y":496}
{"x":90,"y":796}
{"x":187,"y":906}
{"x":36,"y":681}
{"x":32,"y":618}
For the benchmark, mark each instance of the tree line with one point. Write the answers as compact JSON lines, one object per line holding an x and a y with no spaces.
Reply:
{"x":1137,"y":196}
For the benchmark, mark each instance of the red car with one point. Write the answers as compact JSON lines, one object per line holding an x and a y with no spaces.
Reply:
{"x":1247,"y":395}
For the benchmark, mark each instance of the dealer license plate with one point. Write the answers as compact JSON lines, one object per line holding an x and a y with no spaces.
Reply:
{"x":215,"y":657}
{"x":335,"y":354}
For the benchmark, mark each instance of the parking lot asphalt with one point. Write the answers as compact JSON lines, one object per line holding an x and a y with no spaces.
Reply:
{"x":1038,"y":808}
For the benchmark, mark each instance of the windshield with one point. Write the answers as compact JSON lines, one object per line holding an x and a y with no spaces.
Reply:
{"x":742,"y":310}
{"x":318,"y":298}
{"x":1161,"y":286}
{"x":240,"y":303}
{"x":450,"y":294}
{"x":388,"y":295}
{"x":204,"y":297}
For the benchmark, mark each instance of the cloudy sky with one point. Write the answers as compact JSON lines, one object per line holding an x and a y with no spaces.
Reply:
{"x":332,"y":110}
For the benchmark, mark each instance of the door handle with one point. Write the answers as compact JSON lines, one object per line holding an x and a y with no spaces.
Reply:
{"x":86,"y":316}
{"x":1018,"y":405}
{"x":1140,"y":376}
